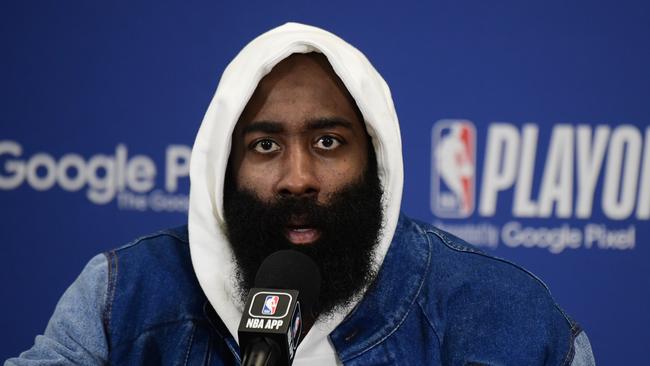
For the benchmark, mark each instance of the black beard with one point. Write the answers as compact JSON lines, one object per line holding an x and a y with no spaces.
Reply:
{"x":349,"y":226}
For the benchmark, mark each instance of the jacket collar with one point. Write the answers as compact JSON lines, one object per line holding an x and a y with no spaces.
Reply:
{"x":389,"y":299}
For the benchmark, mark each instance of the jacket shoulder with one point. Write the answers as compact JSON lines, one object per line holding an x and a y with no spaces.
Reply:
{"x":151,"y":284}
{"x":177,"y":235}
{"x":491,"y":307}
{"x":464,"y":266}
{"x":153,"y":254}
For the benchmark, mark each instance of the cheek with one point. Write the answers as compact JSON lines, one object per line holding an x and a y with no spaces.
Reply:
{"x":256,"y":179}
{"x":334,"y":177}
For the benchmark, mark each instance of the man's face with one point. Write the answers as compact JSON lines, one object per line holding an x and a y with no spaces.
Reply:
{"x":302,"y":175}
{"x":300,"y":135}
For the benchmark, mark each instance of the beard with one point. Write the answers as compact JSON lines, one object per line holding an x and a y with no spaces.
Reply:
{"x":349,"y":225}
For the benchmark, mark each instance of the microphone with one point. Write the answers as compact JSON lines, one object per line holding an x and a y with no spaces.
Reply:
{"x":287,"y":285}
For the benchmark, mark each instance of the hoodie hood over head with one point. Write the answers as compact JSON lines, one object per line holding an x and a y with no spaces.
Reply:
{"x":212,"y":256}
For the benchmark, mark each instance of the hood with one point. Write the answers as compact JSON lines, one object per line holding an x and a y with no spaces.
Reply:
{"x":212,"y":256}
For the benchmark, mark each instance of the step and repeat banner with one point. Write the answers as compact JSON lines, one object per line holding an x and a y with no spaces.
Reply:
{"x":526,"y":131}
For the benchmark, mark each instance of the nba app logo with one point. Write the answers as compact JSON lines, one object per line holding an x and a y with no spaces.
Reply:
{"x":453,"y":170}
{"x":270,"y":304}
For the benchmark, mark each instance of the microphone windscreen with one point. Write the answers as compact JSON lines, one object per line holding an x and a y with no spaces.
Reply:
{"x":290,"y":269}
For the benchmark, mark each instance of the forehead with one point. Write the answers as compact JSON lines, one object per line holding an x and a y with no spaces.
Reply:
{"x":300,"y":70}
{"x":301,"y":86}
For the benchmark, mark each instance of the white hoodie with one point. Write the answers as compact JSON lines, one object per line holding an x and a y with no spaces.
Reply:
{"x":212,"y":255}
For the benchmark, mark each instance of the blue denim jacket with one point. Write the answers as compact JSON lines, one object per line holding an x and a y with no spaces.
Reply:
{"x":435,"y":301}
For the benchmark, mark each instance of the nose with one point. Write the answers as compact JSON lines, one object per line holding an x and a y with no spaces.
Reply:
{"x":299,"y":176}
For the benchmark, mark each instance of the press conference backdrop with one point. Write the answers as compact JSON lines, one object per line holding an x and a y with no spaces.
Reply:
{"x":525,"y":128}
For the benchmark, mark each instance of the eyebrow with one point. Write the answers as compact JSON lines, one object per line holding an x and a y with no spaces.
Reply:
{"x":314,"y":124}
{"x":328,"y":122}
{"x":263,"y":126}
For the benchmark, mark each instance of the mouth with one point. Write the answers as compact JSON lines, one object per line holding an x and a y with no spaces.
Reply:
{"x":301,"y":234}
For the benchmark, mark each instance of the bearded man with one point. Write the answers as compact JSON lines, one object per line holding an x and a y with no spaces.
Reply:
{"x":300,"y":149}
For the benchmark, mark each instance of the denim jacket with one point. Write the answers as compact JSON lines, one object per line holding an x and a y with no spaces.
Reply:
{"x":436,"y":301}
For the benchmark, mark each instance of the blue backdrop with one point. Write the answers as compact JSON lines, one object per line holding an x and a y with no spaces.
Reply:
{"x":541,"y":108}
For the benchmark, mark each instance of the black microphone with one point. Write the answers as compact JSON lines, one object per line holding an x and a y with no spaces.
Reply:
{"x":287,"y":285}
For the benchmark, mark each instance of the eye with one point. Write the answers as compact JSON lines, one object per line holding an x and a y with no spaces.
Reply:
{"x":265,"y":146}
{"x":327,"y":143}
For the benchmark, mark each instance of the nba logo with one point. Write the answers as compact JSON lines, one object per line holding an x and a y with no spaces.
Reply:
{"x":453,"y":160}
{"x":270,"y":304}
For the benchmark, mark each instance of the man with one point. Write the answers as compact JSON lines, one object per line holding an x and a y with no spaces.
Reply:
{"x":300,"y":149}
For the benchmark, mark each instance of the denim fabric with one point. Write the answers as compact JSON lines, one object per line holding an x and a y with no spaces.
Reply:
{"x":439,"y":301}
{"x":583,"y":354}
{"x":75,"y":333}
{"x":435,"y":301}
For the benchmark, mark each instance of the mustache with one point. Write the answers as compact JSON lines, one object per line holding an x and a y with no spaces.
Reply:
{"x":296,"y":211}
